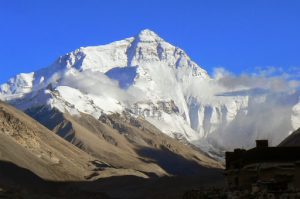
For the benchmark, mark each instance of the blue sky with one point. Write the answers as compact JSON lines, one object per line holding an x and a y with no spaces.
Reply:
{"x":237,"y":35}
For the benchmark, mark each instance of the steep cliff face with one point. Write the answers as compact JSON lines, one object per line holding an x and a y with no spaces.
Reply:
{"x":148,"y":77}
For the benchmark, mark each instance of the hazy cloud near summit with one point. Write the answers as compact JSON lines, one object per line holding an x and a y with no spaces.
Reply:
{"x":264,"y":119}
{"x":99,"y":84}
{"x":270,"y":78}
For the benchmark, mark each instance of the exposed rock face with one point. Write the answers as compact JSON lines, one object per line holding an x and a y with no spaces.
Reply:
{"x":28,"y":144}
{"x":126,"y":142}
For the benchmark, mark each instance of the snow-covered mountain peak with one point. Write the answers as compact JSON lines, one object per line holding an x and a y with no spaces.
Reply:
{"x":148,"y":36}
{"x":147,"y":48}
{"x":152,"y":78}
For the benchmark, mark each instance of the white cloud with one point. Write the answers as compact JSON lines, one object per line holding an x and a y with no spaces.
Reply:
{"x":268,"y":115}
{"x":272,"y":78}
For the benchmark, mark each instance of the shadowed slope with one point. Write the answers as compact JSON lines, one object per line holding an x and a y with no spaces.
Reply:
{"x":292,"y":140}
{"x":17,"y":182}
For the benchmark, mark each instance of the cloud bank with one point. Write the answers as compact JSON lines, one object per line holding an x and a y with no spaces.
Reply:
{"x":271,"y":113}
{"x":271,"y":78}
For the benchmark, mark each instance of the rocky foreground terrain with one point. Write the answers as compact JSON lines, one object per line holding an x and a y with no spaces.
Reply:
{"x":115,"y":156}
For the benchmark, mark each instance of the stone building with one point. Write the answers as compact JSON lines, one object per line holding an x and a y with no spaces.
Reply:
{"x":273,"y":169}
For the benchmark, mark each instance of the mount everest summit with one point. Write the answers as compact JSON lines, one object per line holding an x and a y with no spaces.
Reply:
{"x":147,"y":77}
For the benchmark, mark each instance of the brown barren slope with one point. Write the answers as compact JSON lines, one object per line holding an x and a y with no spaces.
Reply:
{"x":122,"y":156}
{"x":126,"y":142}
{"x":28,"y":144}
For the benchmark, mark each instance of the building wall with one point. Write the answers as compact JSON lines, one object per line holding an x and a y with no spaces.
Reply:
{"x":282,"y":174}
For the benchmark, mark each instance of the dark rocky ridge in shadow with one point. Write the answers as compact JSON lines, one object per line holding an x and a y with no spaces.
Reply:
{"x":292,"y":140}
{"x":21,"y":183}
{"x":173,"y":163}
{"x":17,"y":182}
